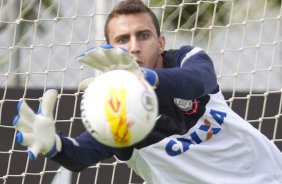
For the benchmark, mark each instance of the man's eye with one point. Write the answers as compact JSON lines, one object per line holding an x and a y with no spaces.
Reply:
{"x":122,"y":40}
{"x":143,"y":36}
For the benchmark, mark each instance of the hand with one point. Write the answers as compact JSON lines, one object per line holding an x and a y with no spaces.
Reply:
{"x":107,"y":57}
{"x":37,"y":131}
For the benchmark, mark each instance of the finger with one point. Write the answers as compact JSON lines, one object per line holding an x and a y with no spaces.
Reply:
{"x":128,"y":63}
{"x":84,"y":84}
{"x":25,"y":139}
{"x":102,"y":58}
{"x":125,"y":58}
{"x":22,"y":124}
{"x":108,"y":58}
{"x":110,"y":54}
{"x":82,"y":55}
{"x":33,"y":151}
{"x":106,"y":46}
{"x":87,"y":57}
{"x":25,"y":111}
{"x":93,"y":57}
{"x":49,"y":100}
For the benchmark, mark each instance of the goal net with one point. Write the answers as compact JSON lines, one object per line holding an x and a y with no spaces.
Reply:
{"x":40,"y":39}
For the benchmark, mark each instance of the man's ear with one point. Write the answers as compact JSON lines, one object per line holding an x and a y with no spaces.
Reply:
{"x":161,"y":44}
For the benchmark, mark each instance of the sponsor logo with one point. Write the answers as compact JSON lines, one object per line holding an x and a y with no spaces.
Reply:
{"x":205,"y":132}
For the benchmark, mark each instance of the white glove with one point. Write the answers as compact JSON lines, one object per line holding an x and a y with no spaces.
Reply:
{"x":37,"y":131}
{"x":107,"y":57}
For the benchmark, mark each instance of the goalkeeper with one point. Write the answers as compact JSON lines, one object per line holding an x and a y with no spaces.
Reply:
{"x":197,"y":139}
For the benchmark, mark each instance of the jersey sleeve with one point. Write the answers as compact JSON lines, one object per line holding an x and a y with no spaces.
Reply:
{"x":83,"y":151}
{"x":192,"y":76}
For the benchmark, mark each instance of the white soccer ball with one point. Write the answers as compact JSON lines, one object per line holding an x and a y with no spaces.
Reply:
{"x":119,"y":109}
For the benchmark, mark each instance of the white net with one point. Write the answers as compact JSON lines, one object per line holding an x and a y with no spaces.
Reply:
{"x":40,"y":39}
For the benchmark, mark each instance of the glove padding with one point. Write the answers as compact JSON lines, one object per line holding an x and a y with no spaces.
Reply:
{"x":107,"y":58}
{"x":37,"y":131}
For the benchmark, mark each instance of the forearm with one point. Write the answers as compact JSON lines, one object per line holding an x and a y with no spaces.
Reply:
{"x":189,"y":82}
{"x":80,"y":152}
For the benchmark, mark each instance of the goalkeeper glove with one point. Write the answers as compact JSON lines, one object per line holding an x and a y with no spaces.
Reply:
{"x":151,"y":77}
{"x":107,"y":57}
{"x":37,"y":131}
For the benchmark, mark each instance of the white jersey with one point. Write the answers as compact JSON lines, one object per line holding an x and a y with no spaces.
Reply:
{"x":221,"y":148}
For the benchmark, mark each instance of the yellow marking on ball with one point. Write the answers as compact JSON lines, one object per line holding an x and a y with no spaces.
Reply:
{"x":115,"y":109}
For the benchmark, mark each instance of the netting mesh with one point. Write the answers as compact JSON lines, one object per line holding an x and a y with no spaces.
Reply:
{"x":40,"y":40}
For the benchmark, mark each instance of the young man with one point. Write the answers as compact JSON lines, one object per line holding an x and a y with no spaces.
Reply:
{"x":197,"y":139}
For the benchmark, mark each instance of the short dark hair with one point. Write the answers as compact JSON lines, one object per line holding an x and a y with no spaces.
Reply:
{"x":127,"y":7}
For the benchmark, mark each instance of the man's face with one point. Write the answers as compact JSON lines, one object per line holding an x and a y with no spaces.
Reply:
{"x":137,"y":34}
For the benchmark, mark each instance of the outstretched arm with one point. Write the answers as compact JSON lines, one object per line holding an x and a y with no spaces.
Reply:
{"x":37,"y":132}
{"x":190,"y":76}
{"x":81,"y":152}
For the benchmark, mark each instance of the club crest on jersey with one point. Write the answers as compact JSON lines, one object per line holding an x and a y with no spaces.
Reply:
{"x":187,"y":106}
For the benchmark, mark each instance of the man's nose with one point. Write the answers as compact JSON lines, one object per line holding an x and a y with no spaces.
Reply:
{"x":134,"y":46}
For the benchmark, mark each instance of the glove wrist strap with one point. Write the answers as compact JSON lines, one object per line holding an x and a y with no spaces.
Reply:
{"x":56,"y":148}
{"x":152,"y":77}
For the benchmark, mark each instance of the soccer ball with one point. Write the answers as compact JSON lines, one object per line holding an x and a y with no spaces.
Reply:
{"x":119,"y":109}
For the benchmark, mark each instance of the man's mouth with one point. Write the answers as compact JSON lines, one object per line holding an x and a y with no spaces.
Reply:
{"x":139,"y":62}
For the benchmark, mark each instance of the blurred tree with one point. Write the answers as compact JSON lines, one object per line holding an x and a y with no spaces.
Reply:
{"x":196,"y":15}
